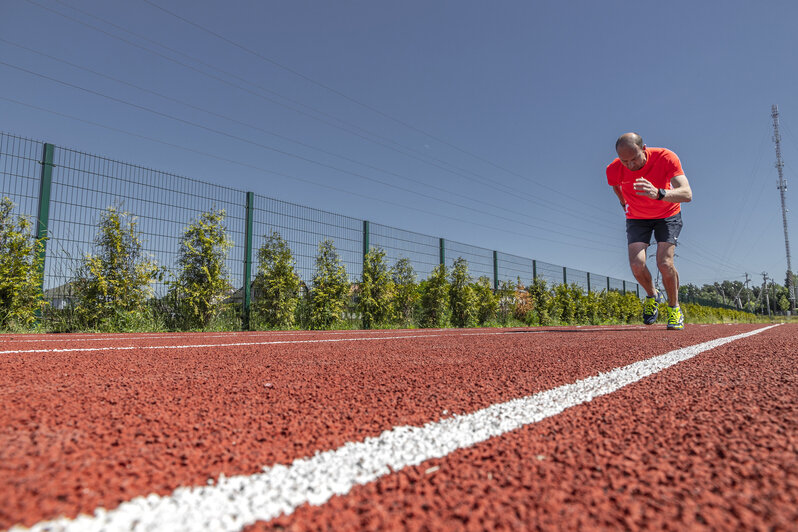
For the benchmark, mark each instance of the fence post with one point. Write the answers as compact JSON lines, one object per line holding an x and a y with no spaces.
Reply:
{"x":534,"y":270}
{"x":588,"y":282}
{"x":608,"y":284}
{"x":245,"y":315}
{"x":443,"y":252}
{"x":43,"y":220}
{"x":495,"y":270}
{"x":637,"y":290}
{"x":564,"y":276}
{"x":624,"y":288}
{"x":366,"y":240}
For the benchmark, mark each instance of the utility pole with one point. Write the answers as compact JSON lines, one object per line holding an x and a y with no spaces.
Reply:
{"x":774,"y":112}
{"x":765,"y":290}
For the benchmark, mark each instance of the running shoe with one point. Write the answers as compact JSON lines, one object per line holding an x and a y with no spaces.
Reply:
{"x":675,"y":319}
{"x":651,"y":308}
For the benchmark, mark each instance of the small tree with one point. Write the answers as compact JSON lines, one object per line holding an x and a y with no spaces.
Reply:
{"x":330,"y":288}
{"x":405,"y":293}
{"x":202,"y":282}
{"x":461,"y":296}
{"x":114,"y":285}
{"x":20,"y":269}
{"x":276,"y":284}
{"x":506,"y":297}
{"x":487,"y":303}
{"x":435,"y":299}
{"x":376,"y":290}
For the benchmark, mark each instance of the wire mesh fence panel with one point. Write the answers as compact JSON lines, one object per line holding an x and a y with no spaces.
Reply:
{"x":163,"y":206}
{"x":304,"y":228}
{"x":20,"y":174}
{"x":513,"y":267}
{"x":480,"y":260}
{"x":577,"y":277}
{"x":616,"y":284}
{"x":550,"y":273}
{"x":598,"y":283}
{"x":423,"y":251}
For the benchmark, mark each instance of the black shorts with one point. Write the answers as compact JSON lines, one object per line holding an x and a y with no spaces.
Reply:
{"x":664,"y":229}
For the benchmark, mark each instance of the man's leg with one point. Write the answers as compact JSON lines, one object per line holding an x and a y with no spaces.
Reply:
{"x":670,"y":277}
{"x":637,"y":261}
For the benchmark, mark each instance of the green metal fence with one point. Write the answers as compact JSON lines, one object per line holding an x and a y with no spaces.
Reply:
{"x":65,"y":191}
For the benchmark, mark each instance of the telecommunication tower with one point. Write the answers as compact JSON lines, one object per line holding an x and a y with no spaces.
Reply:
{"x":782,"y":190}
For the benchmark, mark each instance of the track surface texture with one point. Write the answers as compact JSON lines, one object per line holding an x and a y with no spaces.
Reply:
{"x":92,"y":422}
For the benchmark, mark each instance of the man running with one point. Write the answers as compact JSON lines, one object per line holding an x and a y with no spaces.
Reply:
{"x":651,"y":186}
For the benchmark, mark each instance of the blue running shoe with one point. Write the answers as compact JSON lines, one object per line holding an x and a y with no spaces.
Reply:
{"x":651,"y":308}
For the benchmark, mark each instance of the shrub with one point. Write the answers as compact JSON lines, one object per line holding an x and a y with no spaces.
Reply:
{"x":435,"y":299}
{"x":375,"y":302}
{"x":276,"y":285}
{"x":202,"y":282}
{"x":461,"y":296}
{"x":330,"y":289}
{"x":506,"y":301}
{"x":405,"y":294}
{"x":487,"y":303}
{"x":20,"y":269}
{"x":541,"y":301}
{"x":114,"y":285}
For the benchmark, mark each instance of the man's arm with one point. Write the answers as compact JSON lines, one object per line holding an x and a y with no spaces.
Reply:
{"x":680,"y":193}
{"x":618,"y":193}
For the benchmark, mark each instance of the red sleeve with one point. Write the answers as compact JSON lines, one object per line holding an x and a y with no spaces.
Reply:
{"x":674,"y":165}
{"x":614,"y":174}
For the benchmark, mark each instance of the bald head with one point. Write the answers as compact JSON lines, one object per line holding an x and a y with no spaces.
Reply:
{"x":629,"y":140}
{"x":631,"y":151}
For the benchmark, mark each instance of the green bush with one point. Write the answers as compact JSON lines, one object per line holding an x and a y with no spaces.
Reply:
{"x":20,"y":270}
{"x":114,"y":285}
{"x":487,"y":303}
{"x":330,"y":290}
{"x":276,"y":285}
{"x":435,"y":299}
{"x":461,"y":296}
{"x":405,"y":294}
{"x":202,"y":282}
{"x":541,"y":302}
{"x":376,"y":293}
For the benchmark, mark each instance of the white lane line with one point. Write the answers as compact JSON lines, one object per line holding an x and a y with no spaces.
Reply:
{"x":235,"y":502}
{"x":240,"y":344}
{"x":110,"y":337}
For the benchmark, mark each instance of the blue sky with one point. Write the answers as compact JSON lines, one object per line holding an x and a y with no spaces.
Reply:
{"x":493,"y":121}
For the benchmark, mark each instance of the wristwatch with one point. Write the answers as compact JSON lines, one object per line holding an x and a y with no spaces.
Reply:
{"x":660,"y":193}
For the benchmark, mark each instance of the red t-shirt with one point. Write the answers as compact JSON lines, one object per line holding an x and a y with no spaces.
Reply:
{"x":661,"y":166}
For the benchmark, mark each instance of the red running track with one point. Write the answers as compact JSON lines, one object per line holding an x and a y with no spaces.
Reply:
{"x":92,"y":421}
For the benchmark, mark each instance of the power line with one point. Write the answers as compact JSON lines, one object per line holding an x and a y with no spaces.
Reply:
{"x":305,"y":180}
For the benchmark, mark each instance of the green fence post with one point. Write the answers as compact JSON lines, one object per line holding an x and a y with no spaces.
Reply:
{"x":637,"y":290}
{"x":443,"y":252}
{"x":534,"y":270}
{"x":608,"y":284}
{"x":588,"y":282}
{"x":366,"y":240}
{"x":624,"y":288}
{"x":564,"y":276}
{"x":46,"y":184}
{"x":245,"y":315}
{"x":495,"y":270}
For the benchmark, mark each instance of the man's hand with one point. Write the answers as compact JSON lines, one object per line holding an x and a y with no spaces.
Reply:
{"x":643,"y":187}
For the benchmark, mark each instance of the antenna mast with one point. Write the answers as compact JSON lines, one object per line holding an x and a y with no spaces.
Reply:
{"x":782,"y":189}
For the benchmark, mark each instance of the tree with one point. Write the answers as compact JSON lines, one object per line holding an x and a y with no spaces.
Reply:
{"x":376,"y":290}
{"x":20,"y":269}
{"x":435,"y":299}
{"x":330,"y":288}
{"x":114,"y":285}
{"x":461,"y":296}
{"x":276,"y":284}
{"x":202,"y":282}
{"x":405,"y":293}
